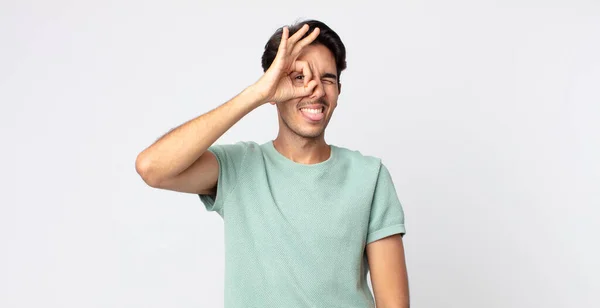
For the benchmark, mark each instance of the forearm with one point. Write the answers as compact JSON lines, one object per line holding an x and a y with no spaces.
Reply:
{"x":181,"y":147}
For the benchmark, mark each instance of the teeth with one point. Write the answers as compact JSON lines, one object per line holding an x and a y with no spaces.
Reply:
{"x":312,"y":110}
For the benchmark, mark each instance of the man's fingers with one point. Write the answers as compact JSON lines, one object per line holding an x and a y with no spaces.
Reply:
{"x":299,"y":34}
{"x":305,"y":91}
{"x":283,"y":43}
{"x":304,"y":68}
{"x":306,"y":41}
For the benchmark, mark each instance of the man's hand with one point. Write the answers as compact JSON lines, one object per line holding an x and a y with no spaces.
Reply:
{"x":276,"y":85}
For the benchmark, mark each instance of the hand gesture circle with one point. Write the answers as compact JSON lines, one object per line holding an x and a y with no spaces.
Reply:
{"x":276,"y":85}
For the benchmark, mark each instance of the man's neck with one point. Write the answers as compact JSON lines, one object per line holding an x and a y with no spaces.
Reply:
{"x":303,"y":150}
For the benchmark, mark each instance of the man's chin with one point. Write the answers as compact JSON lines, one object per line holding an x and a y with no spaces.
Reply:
{"x":306,"y":130}
{"x":310,"y":133}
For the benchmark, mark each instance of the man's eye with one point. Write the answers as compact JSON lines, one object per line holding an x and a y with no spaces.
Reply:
{"x":327,"y":81}
{"x":299,"y":77}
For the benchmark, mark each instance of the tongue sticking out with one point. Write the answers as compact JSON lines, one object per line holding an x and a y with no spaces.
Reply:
{"x":312,"y":114}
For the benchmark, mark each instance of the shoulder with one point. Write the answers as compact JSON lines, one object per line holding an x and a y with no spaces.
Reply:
{"x":238,"y":146}
{"x":356,"y":158}
{"x":231,"y":152}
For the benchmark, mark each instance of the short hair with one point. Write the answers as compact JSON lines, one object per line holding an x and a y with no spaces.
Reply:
{"x":327,"y":37}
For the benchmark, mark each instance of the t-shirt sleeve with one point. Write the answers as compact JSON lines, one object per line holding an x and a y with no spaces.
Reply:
{"x":387,"y":214}
{"x":230,"y":158}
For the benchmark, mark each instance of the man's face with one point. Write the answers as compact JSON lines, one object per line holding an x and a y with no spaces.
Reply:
{"x":308,"y":116}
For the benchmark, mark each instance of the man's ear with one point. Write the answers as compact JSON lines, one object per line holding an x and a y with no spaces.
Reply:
{"x":339,"y":88}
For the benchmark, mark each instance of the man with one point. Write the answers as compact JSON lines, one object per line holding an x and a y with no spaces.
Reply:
{"x":305,"y":221}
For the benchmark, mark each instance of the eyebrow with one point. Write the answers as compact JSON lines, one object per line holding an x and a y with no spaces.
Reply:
{"x":329,"y":75}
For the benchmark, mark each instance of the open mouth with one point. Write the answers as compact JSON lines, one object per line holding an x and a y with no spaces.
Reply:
{"x":313,"y":114}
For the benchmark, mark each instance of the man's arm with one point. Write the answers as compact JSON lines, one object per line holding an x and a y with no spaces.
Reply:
{"x":389,"y":277}
{"x":179,"y":160}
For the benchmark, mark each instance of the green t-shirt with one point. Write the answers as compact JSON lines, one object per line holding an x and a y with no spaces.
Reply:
{"x":295,"y":234}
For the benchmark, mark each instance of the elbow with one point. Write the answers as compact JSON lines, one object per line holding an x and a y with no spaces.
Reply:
{"x":144,"y":168}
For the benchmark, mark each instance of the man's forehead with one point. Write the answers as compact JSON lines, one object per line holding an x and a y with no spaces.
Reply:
{"x":318,"y":53}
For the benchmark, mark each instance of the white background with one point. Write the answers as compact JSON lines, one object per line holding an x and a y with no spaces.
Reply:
{"x":486,"y":113}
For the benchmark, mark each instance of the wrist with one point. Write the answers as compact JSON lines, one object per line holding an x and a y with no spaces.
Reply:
{"x":252,"y":97}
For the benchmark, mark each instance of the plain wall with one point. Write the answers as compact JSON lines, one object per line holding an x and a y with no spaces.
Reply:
{"x":486,"y":113}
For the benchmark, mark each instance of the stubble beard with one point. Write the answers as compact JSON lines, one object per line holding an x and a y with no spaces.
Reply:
{"x":303,"y":134}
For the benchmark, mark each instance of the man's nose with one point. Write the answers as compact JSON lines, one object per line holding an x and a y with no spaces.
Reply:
{"x":318,"y":91}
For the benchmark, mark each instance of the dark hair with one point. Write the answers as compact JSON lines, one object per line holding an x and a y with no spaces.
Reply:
{"x":327,"y":37}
